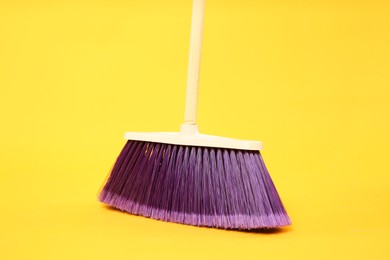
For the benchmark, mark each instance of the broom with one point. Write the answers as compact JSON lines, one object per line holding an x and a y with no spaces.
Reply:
{"x":191,"y":178}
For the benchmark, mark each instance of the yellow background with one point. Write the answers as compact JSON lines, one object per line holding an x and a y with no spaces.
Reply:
{"x":309,"y":78}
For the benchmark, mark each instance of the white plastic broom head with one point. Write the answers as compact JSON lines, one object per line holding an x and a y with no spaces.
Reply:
{"x":190,"y":136}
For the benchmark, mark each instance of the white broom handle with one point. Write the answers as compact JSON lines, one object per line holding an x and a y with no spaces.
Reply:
{"x":194,"y":62}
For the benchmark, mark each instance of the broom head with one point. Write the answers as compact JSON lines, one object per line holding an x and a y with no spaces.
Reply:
{"x":179,"y":179}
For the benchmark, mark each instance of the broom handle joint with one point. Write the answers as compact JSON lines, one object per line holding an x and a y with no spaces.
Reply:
{"x":194,"y":62}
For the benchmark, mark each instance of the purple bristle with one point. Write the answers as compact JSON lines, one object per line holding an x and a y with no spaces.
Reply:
{"x":199,"y":186}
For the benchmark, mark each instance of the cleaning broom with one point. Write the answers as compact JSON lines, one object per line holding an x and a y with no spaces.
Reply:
{"x":191,"y":178}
